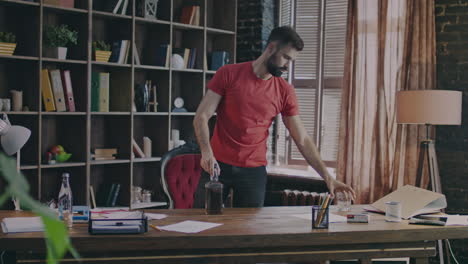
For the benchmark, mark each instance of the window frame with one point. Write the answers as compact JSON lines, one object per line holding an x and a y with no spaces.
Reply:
{"x":319,"y":84}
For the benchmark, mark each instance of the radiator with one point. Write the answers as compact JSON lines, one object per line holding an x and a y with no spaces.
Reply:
{"x":296,"y":197}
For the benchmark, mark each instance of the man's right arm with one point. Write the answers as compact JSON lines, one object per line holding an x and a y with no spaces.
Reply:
{"x":205,"y":111}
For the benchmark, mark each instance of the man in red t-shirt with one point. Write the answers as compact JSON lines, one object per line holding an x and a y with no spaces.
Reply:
{"x":247,"y":97}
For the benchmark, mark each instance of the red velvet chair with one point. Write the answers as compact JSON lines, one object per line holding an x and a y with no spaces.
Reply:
{"x":180,"y":177}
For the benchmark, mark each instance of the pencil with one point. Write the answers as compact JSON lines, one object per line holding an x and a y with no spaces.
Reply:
{"x":154,"y":227}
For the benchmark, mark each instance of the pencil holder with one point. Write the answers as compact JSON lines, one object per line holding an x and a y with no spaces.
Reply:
{"x":319,"y":217}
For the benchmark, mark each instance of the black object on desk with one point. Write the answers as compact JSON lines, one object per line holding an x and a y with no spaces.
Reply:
{"x":420,"y":221}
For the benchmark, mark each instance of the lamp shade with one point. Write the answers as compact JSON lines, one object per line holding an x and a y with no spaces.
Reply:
{"x":12,"y":138}
{"x":435,"y":107}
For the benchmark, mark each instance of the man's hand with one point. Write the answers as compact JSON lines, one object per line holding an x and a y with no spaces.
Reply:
{"x":208,"y":162}
{"x":336,"y":186}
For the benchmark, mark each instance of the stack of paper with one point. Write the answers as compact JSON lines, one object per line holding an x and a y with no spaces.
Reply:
{"x":22,"y":224}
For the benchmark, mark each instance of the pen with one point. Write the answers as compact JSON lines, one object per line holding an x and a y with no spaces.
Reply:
{"x":155,"y":227}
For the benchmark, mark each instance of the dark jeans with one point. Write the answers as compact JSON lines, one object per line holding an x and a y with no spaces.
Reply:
{"x":248,"y":184}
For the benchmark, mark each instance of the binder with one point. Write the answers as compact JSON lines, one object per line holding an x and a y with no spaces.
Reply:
{"x":104,"y":92}
{"x":47,"y":95}
{"x":57,"y":88}
{"x":414,"y":201}
{"x":68,"y":91}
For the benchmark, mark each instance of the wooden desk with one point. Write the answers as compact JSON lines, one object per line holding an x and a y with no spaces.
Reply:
{"x":269,"y":234}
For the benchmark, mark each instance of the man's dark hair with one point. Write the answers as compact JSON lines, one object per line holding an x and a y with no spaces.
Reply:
{"x":286,"y":35}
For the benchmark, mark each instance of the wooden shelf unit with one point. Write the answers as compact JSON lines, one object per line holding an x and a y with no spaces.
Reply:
{"x":82,"y":131}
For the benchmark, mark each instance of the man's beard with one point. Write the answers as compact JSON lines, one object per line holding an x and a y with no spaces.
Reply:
{"x":273,"y":69}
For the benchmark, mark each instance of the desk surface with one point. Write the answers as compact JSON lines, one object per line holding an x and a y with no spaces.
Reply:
{"x":242,"y":228}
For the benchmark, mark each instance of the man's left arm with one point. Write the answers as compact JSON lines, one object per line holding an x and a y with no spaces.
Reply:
{"x":307,"y":147}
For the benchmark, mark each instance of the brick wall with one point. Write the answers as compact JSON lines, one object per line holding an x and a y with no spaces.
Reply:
{"x":255,"y":20}
{"x":452,"y":74}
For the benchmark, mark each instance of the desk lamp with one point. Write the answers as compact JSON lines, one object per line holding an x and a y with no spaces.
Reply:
{"x":12,"y":139}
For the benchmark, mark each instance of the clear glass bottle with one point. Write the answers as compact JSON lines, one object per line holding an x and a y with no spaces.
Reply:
{"x":65,"y":201}
{"x":214,"y":195}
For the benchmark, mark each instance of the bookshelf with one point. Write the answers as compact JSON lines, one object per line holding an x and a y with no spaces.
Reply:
{"x":82,"y":131}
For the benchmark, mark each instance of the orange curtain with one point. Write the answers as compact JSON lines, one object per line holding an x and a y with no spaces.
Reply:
{"x":390,"y":47}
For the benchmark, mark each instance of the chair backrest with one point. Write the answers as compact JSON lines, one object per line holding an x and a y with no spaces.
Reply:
{"x":180,"y":175}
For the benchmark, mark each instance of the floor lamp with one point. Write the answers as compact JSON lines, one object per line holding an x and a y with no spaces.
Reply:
{"x":429,"y":107}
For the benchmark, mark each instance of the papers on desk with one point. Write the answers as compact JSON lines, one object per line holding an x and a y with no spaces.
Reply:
{"x":414,"y":201}
{"x":189,"y":226}
{"x":333,"y":218}
{"x":153,"y":216}
{"x":22,"y":224}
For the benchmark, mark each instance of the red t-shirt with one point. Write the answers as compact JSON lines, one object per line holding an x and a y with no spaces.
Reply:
{"x":247,"y":108}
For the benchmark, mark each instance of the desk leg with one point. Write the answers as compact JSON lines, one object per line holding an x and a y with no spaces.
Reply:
{"x":419,"y":260}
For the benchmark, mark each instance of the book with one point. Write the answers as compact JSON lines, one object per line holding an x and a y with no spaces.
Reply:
{"x":105,"y":151}
{"x":68,"y":91}
{"x":95,"y":91}
{"x":195,"y":18}
{"x":57,"y":88}
{"x":127,"y":51}
{"x":218,"y":59}
{"x":192,"y":58}
{"x":123,"y":52}
{"x":124,"y":7}
{"x":137,"y":57}
{"x":110,"y":195}
{"x":94,"y":157}
{"x":116,"y":46}
{"x":113,"y":6}
{"x":162,"y":55}
{"x":47,"y":95}
{"x":186,"y":15}
{"x":115,"y":194}
{"x":137,"y":150}
{"x":93,"y":199}
{"x":104,"y":92}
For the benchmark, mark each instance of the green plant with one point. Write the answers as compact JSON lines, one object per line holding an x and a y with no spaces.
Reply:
{"x":56,"y":234}
{"x":60,"y":36}
{"x":101,"y":45}
{"x":7,"y":37}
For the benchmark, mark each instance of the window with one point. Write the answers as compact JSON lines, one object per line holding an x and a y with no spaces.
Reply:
{"x":316,"y":75}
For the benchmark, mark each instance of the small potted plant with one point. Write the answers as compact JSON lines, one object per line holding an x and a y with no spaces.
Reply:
{"x":57,"y":38}
{"x":102,"y":51}
{"x":7,"y":43}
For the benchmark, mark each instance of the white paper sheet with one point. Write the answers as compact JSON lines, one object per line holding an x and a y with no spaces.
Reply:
{"x":153,"y":216}
{"x":22,"y":224}
{"x":333,"y":217}
{"x":457,"y":220}
{"x":189,"y":226}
